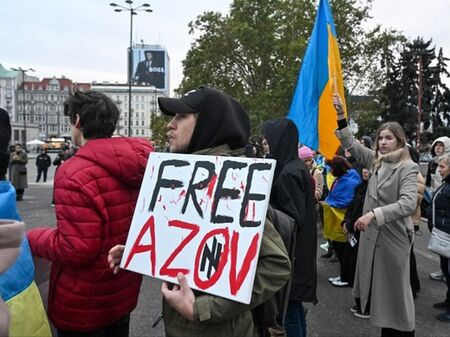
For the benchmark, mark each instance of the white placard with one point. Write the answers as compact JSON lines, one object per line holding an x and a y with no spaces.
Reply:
{"x":203,"y":216}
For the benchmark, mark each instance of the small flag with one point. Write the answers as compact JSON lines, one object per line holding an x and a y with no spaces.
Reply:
{"x":320,"y":77}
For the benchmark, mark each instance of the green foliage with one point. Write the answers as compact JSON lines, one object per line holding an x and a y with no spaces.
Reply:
{"x":158,"y":125}
{"x":254,"y":53}
{"x":400,"y":95}
{"x":365,"y":110}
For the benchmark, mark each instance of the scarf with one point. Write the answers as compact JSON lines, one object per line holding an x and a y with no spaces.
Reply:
{"x":400,"y":154}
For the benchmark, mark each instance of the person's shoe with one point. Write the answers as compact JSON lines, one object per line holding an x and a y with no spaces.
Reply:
{"x":438,"y":276}
{"x":442,"y":305}
{"x":334,"y":258}
{"x":52,"y":205}
{"x":324,"y":246}
{"x":356,"y":308}
{"x":327,"y":255}
{"x":444,"y":317}
{"x":19,"y":198}
{"x":339,"y":283}
{"x":333,"y":279}
{"x":359,"y":314}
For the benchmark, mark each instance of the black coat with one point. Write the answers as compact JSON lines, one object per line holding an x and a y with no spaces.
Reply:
{"x":292,"y":193}
{"x":43,"y":161}
{"x":355,"y":209}
{"x":441,"y":204}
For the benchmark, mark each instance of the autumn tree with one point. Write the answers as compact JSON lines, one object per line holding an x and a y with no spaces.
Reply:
{"x":254,"y":53}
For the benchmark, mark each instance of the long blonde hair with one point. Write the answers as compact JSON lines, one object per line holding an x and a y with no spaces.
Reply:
{"x":396,"y":129}
{"x":401,"y":152}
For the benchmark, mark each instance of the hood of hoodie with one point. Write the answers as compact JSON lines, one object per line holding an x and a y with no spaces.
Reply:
{"x":221,"y":120}
{"x":282,"y":136}
{"x":368,"y":141}
{"x":444,"y":140}
{"x":123,"y":158}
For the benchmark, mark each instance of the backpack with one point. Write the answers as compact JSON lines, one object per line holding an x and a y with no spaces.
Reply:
{"x":268,"y":317}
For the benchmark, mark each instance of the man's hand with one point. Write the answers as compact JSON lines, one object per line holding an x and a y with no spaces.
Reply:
{"x":337,"y":103}
{"x":363,"y":222}
{"x":115,"y":256}
{"x":181,"y":297}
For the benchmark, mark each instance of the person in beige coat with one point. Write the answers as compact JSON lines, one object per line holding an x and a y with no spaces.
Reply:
{"x":387,"y":231}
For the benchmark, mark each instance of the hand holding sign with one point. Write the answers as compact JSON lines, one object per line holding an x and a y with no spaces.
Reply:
{"x":181,"y":297}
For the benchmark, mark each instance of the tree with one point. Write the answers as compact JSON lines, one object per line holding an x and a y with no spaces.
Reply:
{"x":373,"y":83}
{"x":158,"y":126}
{"x":254,"y":53}
{"x":440,"y":103}
{"x":417,"y":72}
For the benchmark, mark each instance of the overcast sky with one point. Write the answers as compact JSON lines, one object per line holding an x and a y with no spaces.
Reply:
{"x":85,"y":40}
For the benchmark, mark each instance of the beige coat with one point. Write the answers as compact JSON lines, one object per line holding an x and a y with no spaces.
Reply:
{"x":18,"y":163}
{"x":318,"y":179}
{"x":382,"y":271}
{"x":420,"y":191}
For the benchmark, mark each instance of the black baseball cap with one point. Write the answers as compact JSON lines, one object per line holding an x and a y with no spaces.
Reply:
{"x":190,"y":102}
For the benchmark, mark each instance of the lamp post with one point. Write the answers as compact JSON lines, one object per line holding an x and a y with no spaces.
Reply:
{"x":23,"y":72}
{"x":133,"y":11}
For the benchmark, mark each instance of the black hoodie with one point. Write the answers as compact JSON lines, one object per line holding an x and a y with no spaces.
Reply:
{"x":292,"y":193}
{"x":5,"y":135}
{"x":221,"y":120}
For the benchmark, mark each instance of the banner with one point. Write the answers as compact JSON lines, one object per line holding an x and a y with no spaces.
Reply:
{"x":202,"y":216}
{"x":149,"y":67}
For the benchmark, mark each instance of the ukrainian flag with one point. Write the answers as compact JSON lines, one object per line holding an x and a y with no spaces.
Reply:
{"x":320,"y":77}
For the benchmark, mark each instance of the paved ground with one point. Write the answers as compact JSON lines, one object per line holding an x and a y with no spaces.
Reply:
{"x":331,"y":317}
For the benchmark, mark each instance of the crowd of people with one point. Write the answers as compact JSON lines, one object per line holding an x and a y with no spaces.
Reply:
{"x":368,"y":199}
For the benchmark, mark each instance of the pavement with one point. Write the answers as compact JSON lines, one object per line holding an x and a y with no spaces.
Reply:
{"x":331,"y":317}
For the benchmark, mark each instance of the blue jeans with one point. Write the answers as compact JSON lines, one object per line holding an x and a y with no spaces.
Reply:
{"x":294,"y":322}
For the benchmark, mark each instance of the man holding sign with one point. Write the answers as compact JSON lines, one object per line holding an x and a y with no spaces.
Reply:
{"x":208,"y":122}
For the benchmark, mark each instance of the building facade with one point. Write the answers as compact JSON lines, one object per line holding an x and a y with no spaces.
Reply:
{"x":8,"y":85}
{"x":144,"y":104}
{"x":41,"y":103}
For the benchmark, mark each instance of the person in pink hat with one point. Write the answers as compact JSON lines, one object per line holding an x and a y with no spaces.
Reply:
{"x":307,"y":155}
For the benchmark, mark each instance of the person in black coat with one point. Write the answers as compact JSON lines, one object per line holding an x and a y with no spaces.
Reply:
{"x":292,"y":193}
{"x":354,"y":212}
{"x":43,"y":161}
{"x":439,"y":217}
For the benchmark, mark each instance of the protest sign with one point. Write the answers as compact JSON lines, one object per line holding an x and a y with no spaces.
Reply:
{"x":202,"y":216}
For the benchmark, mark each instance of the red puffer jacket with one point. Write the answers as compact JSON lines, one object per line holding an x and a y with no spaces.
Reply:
{"x":95,"y":196}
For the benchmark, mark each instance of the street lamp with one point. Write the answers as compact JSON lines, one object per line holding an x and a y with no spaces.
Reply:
{"x":23,"y":72}
{"x":133,"y":11}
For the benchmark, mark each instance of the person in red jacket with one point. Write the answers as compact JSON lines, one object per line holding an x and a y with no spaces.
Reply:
{"x":95,"y":196}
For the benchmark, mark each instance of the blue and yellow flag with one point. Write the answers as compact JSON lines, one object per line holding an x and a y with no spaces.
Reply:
{"x":320,"y":77}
